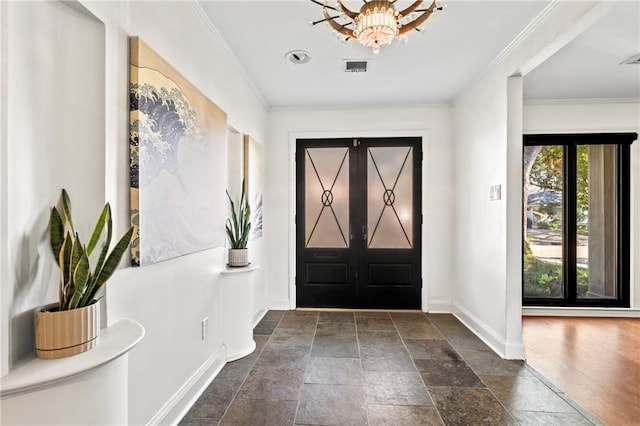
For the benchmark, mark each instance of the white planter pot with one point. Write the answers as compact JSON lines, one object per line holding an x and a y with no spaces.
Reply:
{"x":238,"y":257}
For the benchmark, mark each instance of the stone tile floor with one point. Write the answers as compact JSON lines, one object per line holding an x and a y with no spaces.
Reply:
{"x":377,"y":368}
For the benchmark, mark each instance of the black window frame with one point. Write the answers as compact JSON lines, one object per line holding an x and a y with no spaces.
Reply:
{"x":570,"y":142}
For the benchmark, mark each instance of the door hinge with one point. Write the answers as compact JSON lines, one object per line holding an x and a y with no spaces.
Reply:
{"x":421,"y":219}
{"x":421,"y":282}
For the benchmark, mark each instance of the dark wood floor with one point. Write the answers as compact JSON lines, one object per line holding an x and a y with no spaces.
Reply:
{"x":595,"y":361}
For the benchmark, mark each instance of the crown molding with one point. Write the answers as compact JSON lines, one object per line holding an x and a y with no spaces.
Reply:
{"x":581,"y":101}
{"x":536,"y":22}
{"x":358,"y":107}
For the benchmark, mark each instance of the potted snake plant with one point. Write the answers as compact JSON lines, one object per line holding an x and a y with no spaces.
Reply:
{"x":238,"y":227}
{"x":72,"y":325}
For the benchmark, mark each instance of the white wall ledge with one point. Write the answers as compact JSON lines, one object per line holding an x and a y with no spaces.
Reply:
{"x":114,"y":341}
{"x":229,"y":270}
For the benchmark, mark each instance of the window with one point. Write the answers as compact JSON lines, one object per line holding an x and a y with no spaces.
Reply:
{"x":576,"y":192}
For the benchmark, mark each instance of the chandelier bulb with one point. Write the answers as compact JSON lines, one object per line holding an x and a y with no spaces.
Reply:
{"x":404,"y":39}
{"x":376,"y":49}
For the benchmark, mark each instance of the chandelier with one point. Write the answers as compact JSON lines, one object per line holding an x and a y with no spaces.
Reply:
{"x":378,"y":23}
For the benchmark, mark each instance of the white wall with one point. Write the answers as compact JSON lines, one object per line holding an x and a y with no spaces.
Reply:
{"x":5,"y":299}
{"x":170,"y":298}
{"x":55,"y":139}
{"x":431,"y":122}
{"x":486,"y":284}
{"x":598,"y":118}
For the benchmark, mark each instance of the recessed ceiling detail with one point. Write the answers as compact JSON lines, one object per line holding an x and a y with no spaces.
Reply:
{"x":298,"y":57}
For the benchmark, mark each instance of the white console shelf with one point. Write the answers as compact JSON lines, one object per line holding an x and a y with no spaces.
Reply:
{"x":49,"y":385}
{"x":237,"y":322}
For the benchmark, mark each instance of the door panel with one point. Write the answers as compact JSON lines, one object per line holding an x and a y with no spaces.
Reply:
{"x":326,"y":197}
{"x":389,"y":197}
{"x":325,"y":262}
{"x":359,"y":242}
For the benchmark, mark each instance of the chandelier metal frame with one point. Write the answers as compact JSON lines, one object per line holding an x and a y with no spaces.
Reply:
{"x":377,"y":23}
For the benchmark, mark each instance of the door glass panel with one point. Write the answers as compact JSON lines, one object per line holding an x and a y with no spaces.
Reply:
{"x":543,"y":227}
{"x":327,"y":197}
{"x":596,"y":217}
{"x":390,"y":197}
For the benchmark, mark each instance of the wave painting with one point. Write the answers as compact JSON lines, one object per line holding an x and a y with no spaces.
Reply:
{"x":177,"y":152}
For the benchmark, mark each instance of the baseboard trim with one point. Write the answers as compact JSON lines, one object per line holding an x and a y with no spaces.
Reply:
{"x":580,"y":312}
{"x":480,"y":329}
{"x":179,"y":404}
{"x":439,"y":306}
{"x":514,"y":351}
{"x":280,"y":305}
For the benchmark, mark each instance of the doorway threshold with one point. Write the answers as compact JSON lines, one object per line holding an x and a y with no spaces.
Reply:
{"x":358,"y":310}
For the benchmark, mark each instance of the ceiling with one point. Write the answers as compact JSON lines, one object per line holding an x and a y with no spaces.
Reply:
{"x":590,"y":66}
{"x":436,"y":65}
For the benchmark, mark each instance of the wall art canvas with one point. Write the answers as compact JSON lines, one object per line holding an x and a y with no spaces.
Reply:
{"x":253,"y":180}
{"x":177,"y":172}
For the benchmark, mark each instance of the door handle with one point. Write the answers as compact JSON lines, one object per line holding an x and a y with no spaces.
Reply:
{"x":364,"y":232}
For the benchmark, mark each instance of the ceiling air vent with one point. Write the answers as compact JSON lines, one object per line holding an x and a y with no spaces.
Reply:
{"x":634,"y":60}
{"x":355,"y":66}
{"x":298,"y":57}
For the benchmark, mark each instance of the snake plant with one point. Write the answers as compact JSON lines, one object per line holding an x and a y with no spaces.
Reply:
{"x":78,"y":282}
{"x":239,"y":225}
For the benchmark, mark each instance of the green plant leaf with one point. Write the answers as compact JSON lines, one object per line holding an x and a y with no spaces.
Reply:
{"x":78,"y":284}
{"x":80,"y":279}
{"x":87,"y":297}
{"x":112,"y":261}
{"x":56,"y":233}
{"x":97,"y":231}
{"x":105,"y":246}
{"x":231,"y":235}
{"x":76,"y":253}
{"x":66,"y":208}
{"x":66,"y":296}
{"x":239,"y":225}
{"x":65,"y":258}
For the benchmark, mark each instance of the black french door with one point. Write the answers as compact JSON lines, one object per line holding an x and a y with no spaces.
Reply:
{"x":358,"y":217}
